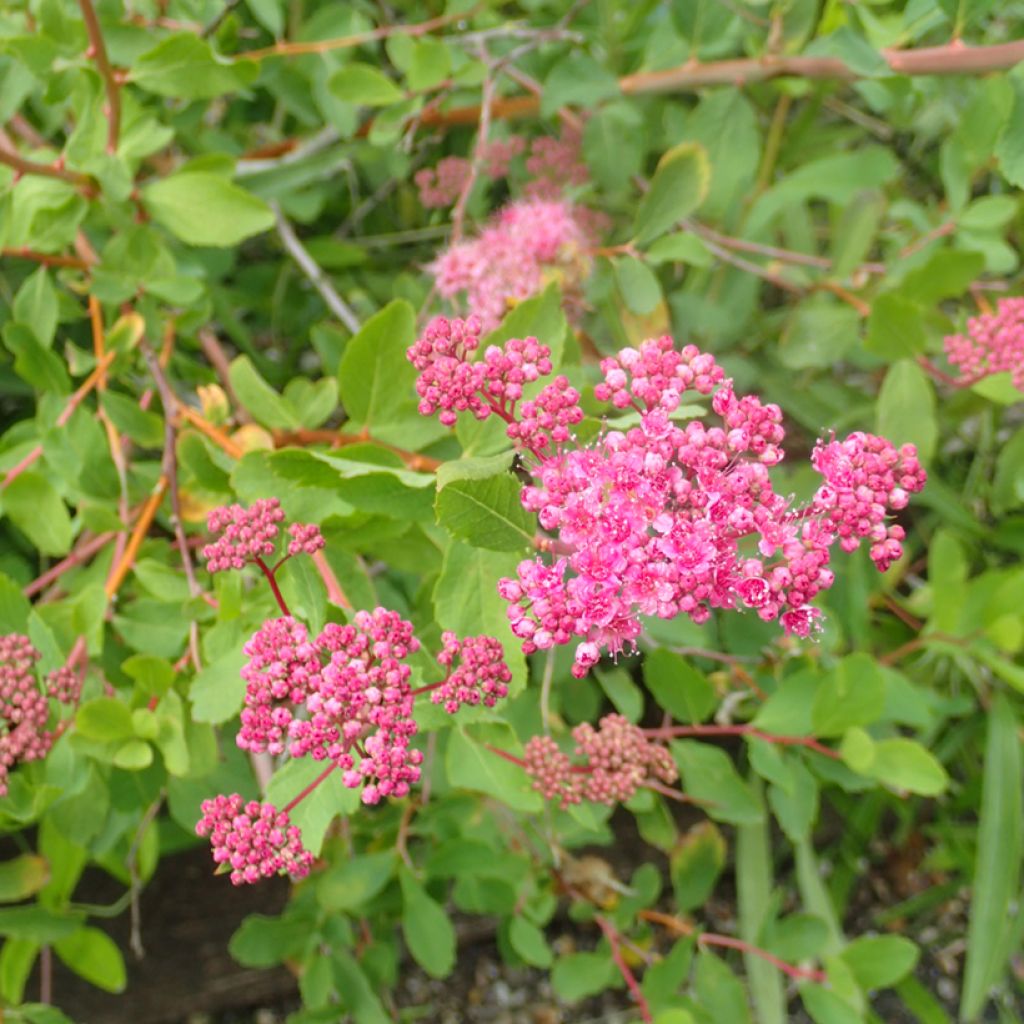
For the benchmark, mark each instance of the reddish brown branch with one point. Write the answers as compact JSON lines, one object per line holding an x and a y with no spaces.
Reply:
{"x":677,"y":731}
{"x":339,"y":439}
{"x":45,"y":258}
{"x":55,"y":170}
{"x":98,"y":51}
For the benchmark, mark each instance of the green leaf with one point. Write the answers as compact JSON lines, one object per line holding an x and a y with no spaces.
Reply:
{"x":37,"y":366}
{"x":427,"y":928}
{"x":22,"y":876}
{"x":466,"y":600}
{"x":719,"y":990}
{"x":895,"y":327}
{"x":105,"y":719}
{"x":613,"y":144}
{"x":795,"y":937}
{"x":14,"y":606}
{"x":695,"y":865}
{"x":529,"y":942}
{"x":35,"y":507}
{"x":880,"y":961}
{"x":906,"y":408}
{"x":265,"y":405}
{"x":826,"y":1007}
{"x":710,"y":776}
{"x":678,"y":687}
{"x":577,"y":80}
{"x":856,"y":232}
{"x":36,"y":305}
{"x":202,"y":208}
{"x":262,"y":941}
{"x":1010,"y":148}
{"x":38,"y":924}
{"x":133,"y":756}
{"x":819,"y":332}
{"x":997,"y":862}
{"x":679,"y":185}
{"x":364,"y":85}
{"x":429,"y":66}
{"x":92,"y":955}
{"x":478,"y":502}
{"x":183,"y":65}
{"x":904,"y":764}
{"x":638,"y":285}
{"x":471,"y":765}
{"x":375,"y":379}
{"x":354,"y":882}
{"x":144,"y":428}
{"x":579,"y":975}
{"x":680,"y":247}
{"x":853,"y":693}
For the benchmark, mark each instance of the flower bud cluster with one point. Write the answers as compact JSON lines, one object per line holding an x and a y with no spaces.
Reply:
{"x":661,"y":519}
{"x":481,"y":676}
{"x":250,"y":534}
{"x":252,"y":840}
{"x":615,"y":760}
{"x":994,"y":343}
{"x":24,"y":705}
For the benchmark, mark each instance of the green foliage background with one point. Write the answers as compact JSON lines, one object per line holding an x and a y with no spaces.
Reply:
{"x":819,"y":235}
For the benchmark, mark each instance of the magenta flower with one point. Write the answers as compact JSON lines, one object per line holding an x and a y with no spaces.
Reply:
{"x":994,"y":343}
{"x":481,"y":676}
{"x":252,"y":840}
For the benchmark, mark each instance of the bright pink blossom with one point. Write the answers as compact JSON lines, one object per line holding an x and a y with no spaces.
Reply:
{"x":994,"y":343}
{"x":509,"y":260}
{"x":253,"y":840}
{"x":661,"y":519}
{"x":24,"y":708}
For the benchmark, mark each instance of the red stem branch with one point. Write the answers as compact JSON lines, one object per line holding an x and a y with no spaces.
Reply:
{"x":613,"y":937}
{"x":269,"y":573}
{"x":676,"y":731}
{"x":309,"y":789}
{"x":98,"y":51}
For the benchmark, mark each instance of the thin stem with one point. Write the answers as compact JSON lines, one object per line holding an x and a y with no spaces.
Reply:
{"x":170,"y":469}
{"x":217,"y":436}
{"x":309,"y":789}
{"x":676,"y":731}
{"x":76,"y":558}
{"x":55,"y":170}
{"x":334,"y":592}
{"x":269,"y":573}
{"x":98,"y":51}
{"x":681,"y":927}
{"x":483,"y":132}
{"x":613,"y":937}
{"x":309,"y":266}
{"x":692,"y":76}
{"x":142,"y":524}
{"x":286,"y":49}
{"x":46,"y":975}
{"x":675,"y":794}
{"x":46,"y":259}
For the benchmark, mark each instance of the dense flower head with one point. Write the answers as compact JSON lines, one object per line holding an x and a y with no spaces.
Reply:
{"x":556,"y":163}
{"x":513,"y":255}
{"x":450,"y":382}
{"x":614,"y":761}
{"x":24,"y":708}
{"x":65,"y":684}
{"x":281,"y":672}
{"x":663,"y":518}
{"x":865,"y":478}
{"x":440,"y":186}
{"x":252,"y":840}
{"x":480,"y":677}
{"x":994,"y":343}
{"x":361,"y":702}
{"x":250,"y":534}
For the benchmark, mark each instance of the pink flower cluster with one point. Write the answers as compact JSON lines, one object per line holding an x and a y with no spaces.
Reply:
{"x":514,"y":254}
{"x":660,"y":518}
{"x":617,"y":758}
{"x":994,"y":343}
{"x":553,"y":164}
{"x":362,"y":701}
{"x":250,"y":535}
{"x":25,"y":707}
{"x":346,"y":692}
{"x":450,"y":383}
{"x":481,"y":677}
{"x":253,"y":840}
